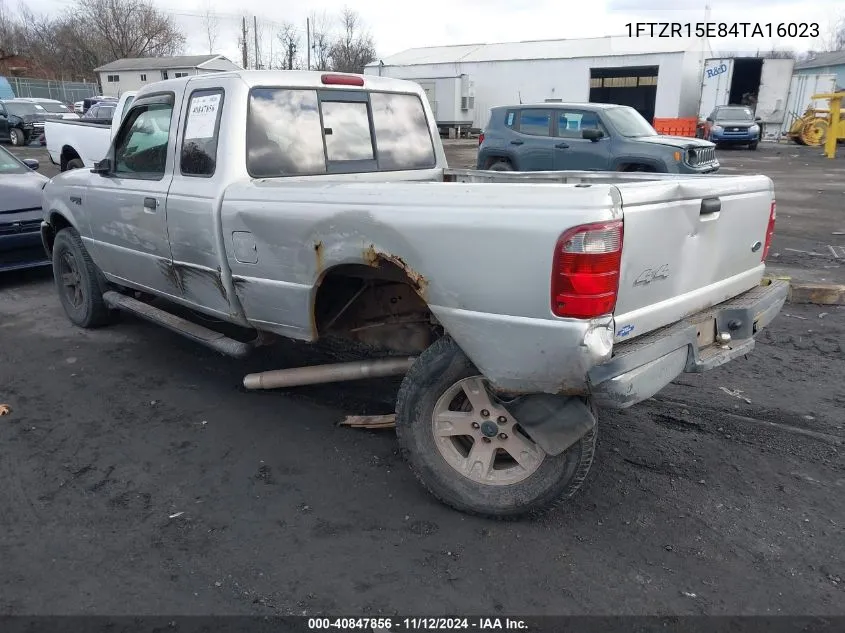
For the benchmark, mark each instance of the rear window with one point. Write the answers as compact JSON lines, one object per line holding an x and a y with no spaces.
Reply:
{"x":294,"y":132}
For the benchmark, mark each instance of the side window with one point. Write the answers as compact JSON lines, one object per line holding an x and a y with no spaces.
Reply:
{"x":535,"y":122}
{"x":402,"y":135}
{"x":346,"y":126}
{"x":202,"y":126}
{"x":126,"y":105}
{"x":284,"y":136}
{"x":141,"y":148}
{"x":570,"y":123}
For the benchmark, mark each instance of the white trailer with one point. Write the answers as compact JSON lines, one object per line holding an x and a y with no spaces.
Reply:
{"x":801,"y":91}
{"x":452,"y":100}
{"x":727,"y":80}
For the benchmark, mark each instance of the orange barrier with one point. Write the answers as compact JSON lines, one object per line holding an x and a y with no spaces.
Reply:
{"x":676,"y":127}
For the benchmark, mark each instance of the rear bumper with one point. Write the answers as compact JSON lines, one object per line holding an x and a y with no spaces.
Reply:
{"x":642,"y":367}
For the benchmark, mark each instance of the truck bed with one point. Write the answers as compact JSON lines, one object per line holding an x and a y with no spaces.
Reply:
{"x":690,"y":241}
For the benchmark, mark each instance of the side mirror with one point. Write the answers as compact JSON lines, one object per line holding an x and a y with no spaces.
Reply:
{"x":592,"y":135}
{"x":31,"y":163}
{"x":102,"y":167}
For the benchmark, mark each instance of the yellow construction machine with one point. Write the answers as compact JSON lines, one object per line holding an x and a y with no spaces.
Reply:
{"x":821,"y":127}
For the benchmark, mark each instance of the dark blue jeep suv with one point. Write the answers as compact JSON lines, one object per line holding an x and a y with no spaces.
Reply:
{"x":585,"y":137}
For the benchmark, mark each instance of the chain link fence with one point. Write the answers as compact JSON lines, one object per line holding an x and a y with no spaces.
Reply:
{"x":65,"y":91}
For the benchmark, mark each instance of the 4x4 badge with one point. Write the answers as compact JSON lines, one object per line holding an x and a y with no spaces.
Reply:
{"x":650,"y":274}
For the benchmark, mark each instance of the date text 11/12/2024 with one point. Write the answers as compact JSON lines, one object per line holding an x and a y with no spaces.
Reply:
{"x":803,"y":30}
{"x":417,"y":624}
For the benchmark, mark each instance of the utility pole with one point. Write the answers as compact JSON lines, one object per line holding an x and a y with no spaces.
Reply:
{"x":255,"y":33}
{"x":308,"y":40}
{"x":243,"y":45}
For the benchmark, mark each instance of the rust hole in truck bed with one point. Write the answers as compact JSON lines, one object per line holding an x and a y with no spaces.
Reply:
{"x":418,"y":282}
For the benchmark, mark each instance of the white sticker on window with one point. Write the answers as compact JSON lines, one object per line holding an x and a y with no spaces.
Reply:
{"x":510,"y":119}
{"x":202,"y":116}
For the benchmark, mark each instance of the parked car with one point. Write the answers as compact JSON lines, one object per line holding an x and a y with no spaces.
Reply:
{"x":53,"y":108}
{"x":589,"y":136}
{"x":20,"y":213}
{"x":21,"y":121}
{"x":733,"y":125}
{"x":102,"y":111}
{"x":74,"y":144}
{"x":319,"y":206}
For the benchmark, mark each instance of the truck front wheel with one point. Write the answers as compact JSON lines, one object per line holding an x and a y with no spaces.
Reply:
{"x":466,"y":448}
{"x":78,"y":281}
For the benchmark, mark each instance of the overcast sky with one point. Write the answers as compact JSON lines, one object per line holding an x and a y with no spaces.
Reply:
{"x":399,"y":25}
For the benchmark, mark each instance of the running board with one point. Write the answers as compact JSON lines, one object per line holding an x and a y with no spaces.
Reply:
{"x":197,"y":333}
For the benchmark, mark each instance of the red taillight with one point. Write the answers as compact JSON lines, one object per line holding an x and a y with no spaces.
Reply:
{"x":330,"y":79}
{"x":770,"y":231}
{"x":480,"y":138}
{"x":585,"y":273}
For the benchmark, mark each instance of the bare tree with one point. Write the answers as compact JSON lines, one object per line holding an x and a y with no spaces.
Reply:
{"x":353,"y":48}
{"x":321,"y":42}
{"x":833,"y":36}
{"x":289,"y":38}
{"x":128,"y":28}
{"x":212,"y":26}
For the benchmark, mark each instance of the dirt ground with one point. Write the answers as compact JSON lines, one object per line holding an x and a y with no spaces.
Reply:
{"x":140,"y":478}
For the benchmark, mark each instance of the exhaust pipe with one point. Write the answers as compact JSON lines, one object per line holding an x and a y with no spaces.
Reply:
{"x":300,"y":376}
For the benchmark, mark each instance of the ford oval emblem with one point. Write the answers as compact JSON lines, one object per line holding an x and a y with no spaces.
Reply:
{"x":756,"y":246}
{"x":625,"y":331}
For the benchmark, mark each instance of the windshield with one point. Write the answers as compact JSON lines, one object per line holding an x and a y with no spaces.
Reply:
{"x":9,"y":164}
{"x":628,"y":122}
{"x":23,"y":109}
{"x":52,"y":107}
{"x":734,"y":114}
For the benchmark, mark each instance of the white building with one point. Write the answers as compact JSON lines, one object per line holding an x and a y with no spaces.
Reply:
{"x":134,"y":73}
{"x":660,"y":77}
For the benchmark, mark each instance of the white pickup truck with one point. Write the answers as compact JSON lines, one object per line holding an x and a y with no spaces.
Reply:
{"x":316,"y":206}
{"x":72,"y":144}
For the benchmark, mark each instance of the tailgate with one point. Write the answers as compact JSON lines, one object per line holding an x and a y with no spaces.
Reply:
{"x":688,"y":245}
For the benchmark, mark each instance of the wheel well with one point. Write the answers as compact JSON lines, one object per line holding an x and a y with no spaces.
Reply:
{"x":68,"y":154}
{"x":635,"y":166}
{"x":57,"y":222}
{"x":492,"y":160}
{"x":378,"y":306}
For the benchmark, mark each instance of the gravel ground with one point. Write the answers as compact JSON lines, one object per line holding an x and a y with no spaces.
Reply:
{"x":139,"y":478}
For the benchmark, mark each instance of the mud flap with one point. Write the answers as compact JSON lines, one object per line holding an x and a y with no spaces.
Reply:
{"x":554,"y":422}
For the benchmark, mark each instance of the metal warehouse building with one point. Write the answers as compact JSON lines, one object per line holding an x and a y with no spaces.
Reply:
{"x":659,"y":77}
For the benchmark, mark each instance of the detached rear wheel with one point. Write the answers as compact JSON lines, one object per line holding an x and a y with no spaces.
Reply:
{"x":78,"y":281}
{"x":467,"y":449}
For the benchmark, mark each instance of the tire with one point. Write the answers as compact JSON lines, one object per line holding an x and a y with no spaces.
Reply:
{"x":74,"y":163}
{"x":753,"y":146}
{"x":78,"y":281}
{"x":430,"y":382}
{"x":501,"y":165}
{"x":17,"y":137}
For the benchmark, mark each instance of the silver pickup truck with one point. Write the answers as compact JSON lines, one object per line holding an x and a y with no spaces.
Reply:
{"x":320,"y":206}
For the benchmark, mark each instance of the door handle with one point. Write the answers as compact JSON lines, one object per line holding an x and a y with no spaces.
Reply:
{"x":710,"y":206}
{"x":517,"y":142}
{"x":150,"y":203}
{"x":562,"y":146}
